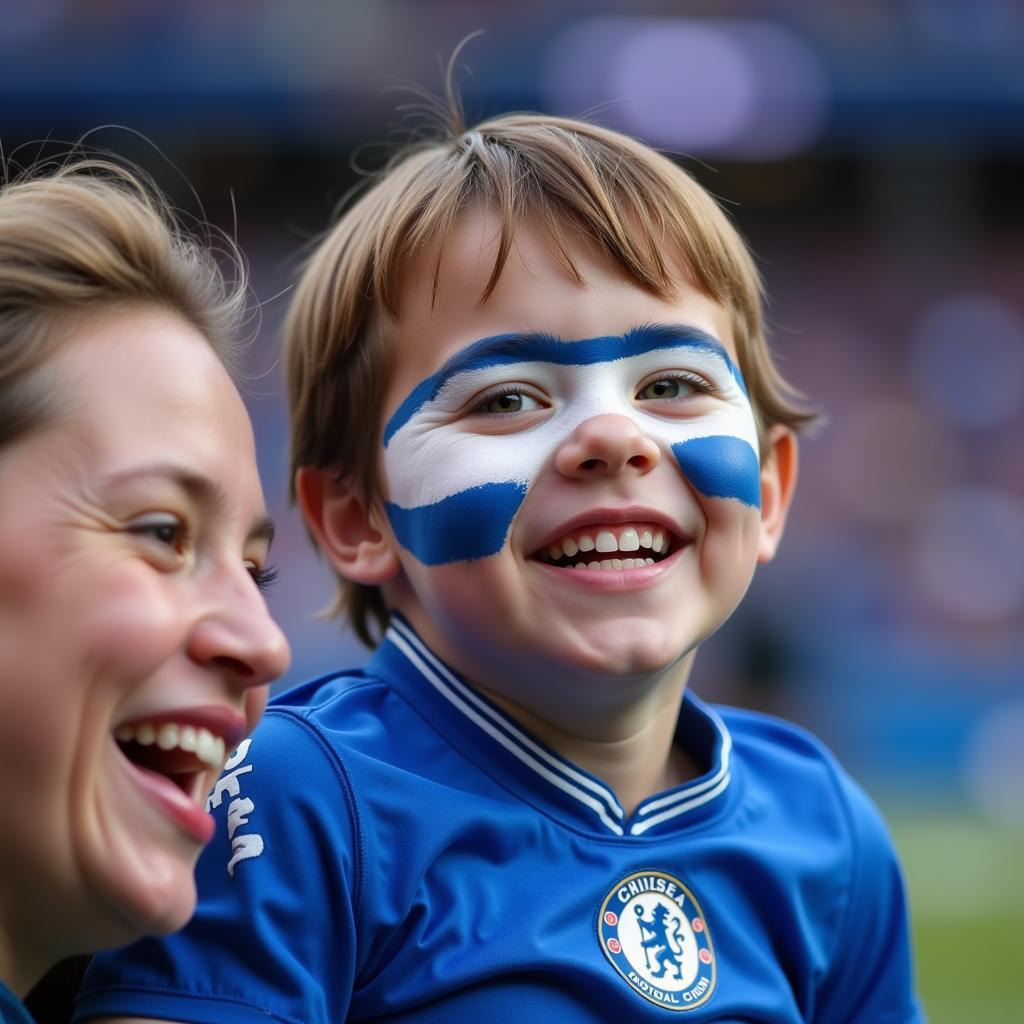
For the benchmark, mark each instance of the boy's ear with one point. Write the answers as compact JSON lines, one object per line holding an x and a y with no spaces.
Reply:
{"x":353,"y":538}
{"x":778,"y":481}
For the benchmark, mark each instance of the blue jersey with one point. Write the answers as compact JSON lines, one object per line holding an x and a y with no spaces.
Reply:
{"x":11,"y":1009}
{"x":392,"y":846}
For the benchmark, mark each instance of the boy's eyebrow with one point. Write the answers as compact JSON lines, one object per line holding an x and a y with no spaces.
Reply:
{"x":541,"y":347}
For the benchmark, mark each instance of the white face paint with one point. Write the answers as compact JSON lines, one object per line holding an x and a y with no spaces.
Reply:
{"x":458,"y":472}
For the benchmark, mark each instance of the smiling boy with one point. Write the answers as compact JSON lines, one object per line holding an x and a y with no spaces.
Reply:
{"x":538,"y":433}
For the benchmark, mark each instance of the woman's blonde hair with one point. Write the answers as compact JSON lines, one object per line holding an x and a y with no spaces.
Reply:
{"x":87,"y":234}
{"x":643,"y":211}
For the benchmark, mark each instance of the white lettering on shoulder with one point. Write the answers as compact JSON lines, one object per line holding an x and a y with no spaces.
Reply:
{"x":244,"y":845}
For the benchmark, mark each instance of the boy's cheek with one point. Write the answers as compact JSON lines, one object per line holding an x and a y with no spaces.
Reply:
{"x":728,"y":549}
{"x":460,"y":602}
{"x":466,"y":526}
{"x":424,"y":468}
{"x":723,"y":467}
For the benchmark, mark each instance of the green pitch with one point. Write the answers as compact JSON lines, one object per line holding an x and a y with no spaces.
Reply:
{"x":966,"y":883}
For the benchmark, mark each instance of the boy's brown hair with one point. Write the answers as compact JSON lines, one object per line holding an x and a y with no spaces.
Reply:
{"x":567,"y":176}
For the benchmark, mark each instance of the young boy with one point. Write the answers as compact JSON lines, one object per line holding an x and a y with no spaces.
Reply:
{"x":539,"y":435}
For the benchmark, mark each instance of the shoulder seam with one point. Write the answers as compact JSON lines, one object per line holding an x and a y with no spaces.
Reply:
{"x":355,"y":816}
{"x":853,"y":843}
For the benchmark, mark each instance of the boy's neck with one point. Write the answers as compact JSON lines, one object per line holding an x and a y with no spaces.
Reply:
{"x":631,"y":749}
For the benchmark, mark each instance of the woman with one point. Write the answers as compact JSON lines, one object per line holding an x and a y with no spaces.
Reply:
{"x":135,"y":645}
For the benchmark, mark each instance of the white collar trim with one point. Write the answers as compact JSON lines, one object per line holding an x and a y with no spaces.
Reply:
{"x":557,"y":771}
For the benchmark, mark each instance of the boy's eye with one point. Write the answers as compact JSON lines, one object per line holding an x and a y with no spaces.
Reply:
{"x":510,"y":401}
{"x":663,"y":388}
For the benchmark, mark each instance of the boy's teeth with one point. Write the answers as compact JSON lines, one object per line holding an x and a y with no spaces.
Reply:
{"x":208,"y":748}
{"x":615,"y":563}
{"x":606,"y":542}
{"x":629,"y":540}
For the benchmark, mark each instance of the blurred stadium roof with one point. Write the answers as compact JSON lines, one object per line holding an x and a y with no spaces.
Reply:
{"x":888,"y":73}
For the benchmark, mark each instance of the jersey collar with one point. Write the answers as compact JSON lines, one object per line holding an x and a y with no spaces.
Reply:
{"x":542,"y":776}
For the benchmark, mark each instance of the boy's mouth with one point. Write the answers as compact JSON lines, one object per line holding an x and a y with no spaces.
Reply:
{"x":619,"y":546}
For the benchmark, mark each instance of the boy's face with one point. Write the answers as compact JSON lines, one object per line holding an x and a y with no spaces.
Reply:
{"x":570,"y":472}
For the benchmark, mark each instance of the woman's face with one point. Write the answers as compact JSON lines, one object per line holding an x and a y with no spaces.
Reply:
{"x":135,"y":645}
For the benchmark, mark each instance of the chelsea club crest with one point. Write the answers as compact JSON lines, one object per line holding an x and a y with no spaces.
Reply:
{"x":654,"y":933}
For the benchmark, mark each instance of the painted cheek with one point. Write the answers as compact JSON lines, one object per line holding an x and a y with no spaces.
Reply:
{"x":465,"y":526}
{"x":721,"y":466}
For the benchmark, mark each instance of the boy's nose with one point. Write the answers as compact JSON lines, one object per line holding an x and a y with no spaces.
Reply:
{"x":606,"y":445}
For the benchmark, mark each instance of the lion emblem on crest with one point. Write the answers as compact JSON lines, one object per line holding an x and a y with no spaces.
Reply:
{"x":654,"y":933}
{"x":666,"y":948}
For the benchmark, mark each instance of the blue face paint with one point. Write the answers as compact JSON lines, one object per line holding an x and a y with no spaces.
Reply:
{"x":510,"y":349}
{"x":469,"y":525}
{"x":721,"y":467}
{"x":455,"y":489}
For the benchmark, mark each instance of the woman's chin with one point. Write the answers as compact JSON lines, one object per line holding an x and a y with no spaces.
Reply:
{"x":139,"y":891}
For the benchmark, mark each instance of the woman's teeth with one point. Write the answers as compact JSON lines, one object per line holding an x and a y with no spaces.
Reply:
{"x":609,"y":542}
{"x":207,"y":748}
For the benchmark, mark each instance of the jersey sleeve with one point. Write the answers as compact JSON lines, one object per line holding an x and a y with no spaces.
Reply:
{"x":870,"y":980}
{"x":273,"y":936}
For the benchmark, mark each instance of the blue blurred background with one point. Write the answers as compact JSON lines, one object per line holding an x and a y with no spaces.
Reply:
{"x":873,"y":155}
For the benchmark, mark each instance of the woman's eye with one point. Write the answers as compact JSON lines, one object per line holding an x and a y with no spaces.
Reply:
{"x":669,"y":387}
{"x":168,"y":531}
{"x":262,"y":575}
{"x":508,"y":402}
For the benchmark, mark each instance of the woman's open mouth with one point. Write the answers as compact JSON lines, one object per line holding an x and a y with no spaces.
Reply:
{"x":184,"y":754}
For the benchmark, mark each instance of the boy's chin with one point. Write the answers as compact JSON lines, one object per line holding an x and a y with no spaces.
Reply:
{"x":619,"y":651}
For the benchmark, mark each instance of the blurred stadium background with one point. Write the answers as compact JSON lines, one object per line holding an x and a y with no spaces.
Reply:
{"x":873,"y":154}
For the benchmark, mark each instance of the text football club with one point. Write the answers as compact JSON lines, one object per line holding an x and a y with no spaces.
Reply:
{"x":655,"y":935}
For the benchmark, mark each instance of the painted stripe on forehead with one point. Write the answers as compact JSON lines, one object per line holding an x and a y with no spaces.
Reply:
{"x":538,"y":347}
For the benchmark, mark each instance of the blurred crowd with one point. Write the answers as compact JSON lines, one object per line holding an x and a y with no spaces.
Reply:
{"x":870,"y":152}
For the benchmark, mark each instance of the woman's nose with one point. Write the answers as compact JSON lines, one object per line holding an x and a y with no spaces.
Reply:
{"x":238,"y":638}
{"x":605,"y":446}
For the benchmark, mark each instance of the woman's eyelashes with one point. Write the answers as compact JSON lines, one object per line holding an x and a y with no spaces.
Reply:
{"x":171,"y":538}
{"x":264,"y":576}
{"x":163,"y":530}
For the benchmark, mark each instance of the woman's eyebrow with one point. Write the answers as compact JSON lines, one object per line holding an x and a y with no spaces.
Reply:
{"x":541,"y":347}
{"x":197,"y":486}
{"x":201,"y":489}
{"x":263,"y":529}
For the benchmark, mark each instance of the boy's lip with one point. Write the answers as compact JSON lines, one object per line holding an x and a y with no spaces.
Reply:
{"x":595,"y":519}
